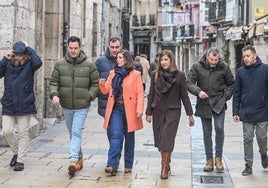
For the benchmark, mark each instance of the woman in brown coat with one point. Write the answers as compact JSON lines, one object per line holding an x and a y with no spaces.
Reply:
{"x":167,"y":90}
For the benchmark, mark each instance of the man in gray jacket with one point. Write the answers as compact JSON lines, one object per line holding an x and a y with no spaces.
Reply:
{"x":73,"y":85}
{"x":212,"y":82}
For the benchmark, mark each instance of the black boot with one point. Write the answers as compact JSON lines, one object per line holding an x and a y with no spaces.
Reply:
{"x":13,"y":160}
{"x":247,"y":171}
{"x":19,"y":166}
{"x":264,"y":161}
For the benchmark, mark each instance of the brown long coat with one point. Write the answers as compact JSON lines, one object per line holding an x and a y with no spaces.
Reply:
{"x":166,"y":110}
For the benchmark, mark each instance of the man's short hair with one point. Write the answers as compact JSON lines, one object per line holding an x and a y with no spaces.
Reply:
{"x":114,"y":39}
{"x":213,"y":50}
{"x":249,"y":47}
{"x":74,"y":39}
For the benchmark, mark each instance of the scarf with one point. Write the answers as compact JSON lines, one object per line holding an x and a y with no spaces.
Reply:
{"x":120,"y":74}
{"x":166,"y":80}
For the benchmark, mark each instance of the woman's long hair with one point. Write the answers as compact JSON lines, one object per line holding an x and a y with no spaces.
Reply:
{"x":172,"y":67}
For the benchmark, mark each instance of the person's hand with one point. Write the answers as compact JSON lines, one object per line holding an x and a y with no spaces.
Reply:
{"x":149,"y":119}
{"x":102,"y":81}
{"x":56,"y":101}
{"x":236,"y":118}
{"x":202,"y":95}
{"x":9,"y":54}
{"x":139,"y":115}
{"x":191,"y":120}
{"x":26,"y":43}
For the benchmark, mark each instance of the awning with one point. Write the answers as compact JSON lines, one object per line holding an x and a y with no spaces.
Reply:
{"x":234,"y":33}
{"x":251,"y":29}
{"x":141,"y":33}
{"x":259,"y":29}
{"x":266,"y":28}
{"x":223,"y":28}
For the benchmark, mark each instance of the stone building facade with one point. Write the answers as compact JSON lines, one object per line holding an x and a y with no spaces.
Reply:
{"x":46,"y":25}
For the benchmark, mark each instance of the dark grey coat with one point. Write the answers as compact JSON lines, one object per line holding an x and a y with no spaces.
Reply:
{"x":166,"y":110}
{"x":217,"y":82}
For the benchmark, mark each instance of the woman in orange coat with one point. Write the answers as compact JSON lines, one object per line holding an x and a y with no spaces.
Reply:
{"x":124,"y":110}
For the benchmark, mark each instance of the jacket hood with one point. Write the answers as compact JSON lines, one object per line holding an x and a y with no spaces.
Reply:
{"x":81,"y":57}
{"x":256,"y":64}
{"x":108,"y":55}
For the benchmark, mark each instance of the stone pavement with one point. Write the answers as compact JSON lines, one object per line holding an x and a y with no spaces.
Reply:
{"x":47,"y":160}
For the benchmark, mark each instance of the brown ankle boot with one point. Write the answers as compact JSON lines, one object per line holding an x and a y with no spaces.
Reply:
{"x":80,"y":163}
{"x":73,"y":166}
{"x":209,"y":165}
{"x":165,"y":164}
{"x":218,"y":164}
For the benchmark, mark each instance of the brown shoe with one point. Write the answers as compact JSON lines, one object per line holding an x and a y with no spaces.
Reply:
{"x":72,"y":168}
{"x":80,"y":163}
{"x":128,"y":170}
{"x":209,"y":165}
{"x":218,"y":164}
{"x":111,"y":170}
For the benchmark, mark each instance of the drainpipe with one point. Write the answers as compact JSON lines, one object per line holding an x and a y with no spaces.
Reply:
{"x":247,"y":12}
{"x":66,"y":5}
{"x":102,"y":28}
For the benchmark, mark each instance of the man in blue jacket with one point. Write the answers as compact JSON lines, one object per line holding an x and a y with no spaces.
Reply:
{"x":105,"y":64}
{"x":250,"y":105}
{"x":18,"y":102}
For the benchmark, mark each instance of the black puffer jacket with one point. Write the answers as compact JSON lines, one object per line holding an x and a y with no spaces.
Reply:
{"x":217,"y":82}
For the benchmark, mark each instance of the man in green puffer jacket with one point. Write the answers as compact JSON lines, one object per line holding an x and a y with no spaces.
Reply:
{"x":73,"y":85}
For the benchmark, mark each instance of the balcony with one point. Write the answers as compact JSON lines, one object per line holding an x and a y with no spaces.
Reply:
{"x":167,"y":34}
{"x":217,"y":12}
{"x":143,"y":20}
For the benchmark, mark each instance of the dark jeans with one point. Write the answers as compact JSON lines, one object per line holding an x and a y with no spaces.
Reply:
{"x":117,"y":131}
{"x":219,"y":134}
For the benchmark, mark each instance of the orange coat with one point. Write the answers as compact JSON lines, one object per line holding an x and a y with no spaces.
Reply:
{"x":133,"y":96}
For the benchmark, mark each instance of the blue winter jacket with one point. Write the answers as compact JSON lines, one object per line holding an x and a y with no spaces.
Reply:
{"x":18,"y":98}
{"x":250,"y":98}
{"x":104,"y":64}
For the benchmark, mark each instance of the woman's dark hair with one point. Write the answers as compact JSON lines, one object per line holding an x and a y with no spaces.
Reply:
{"x":129,"y":60}
{"x":74,"y":39}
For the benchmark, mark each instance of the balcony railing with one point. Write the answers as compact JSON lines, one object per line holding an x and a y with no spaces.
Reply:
{"x":138,"y":21}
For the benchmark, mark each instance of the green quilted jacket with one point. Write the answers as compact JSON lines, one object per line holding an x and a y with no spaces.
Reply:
{"x":74,"y":81}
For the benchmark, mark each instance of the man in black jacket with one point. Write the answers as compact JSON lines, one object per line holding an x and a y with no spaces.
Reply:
{"x":250,"y":105}
{"x":212,"y":82}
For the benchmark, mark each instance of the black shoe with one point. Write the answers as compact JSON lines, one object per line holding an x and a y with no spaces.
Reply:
{"x":13,"y":160}
{"x":264,"y":161}
{"x":19,"y":166}
{"x":247,"y":171}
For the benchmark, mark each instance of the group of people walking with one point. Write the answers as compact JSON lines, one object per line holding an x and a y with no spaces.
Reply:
{"x":76,"y":81}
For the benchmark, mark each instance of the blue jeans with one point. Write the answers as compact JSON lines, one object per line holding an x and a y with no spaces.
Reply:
{"x":219,"y":134}
{"x":75,"y":120}
{"x":248,"y":135}
{"x":116,"y":132}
